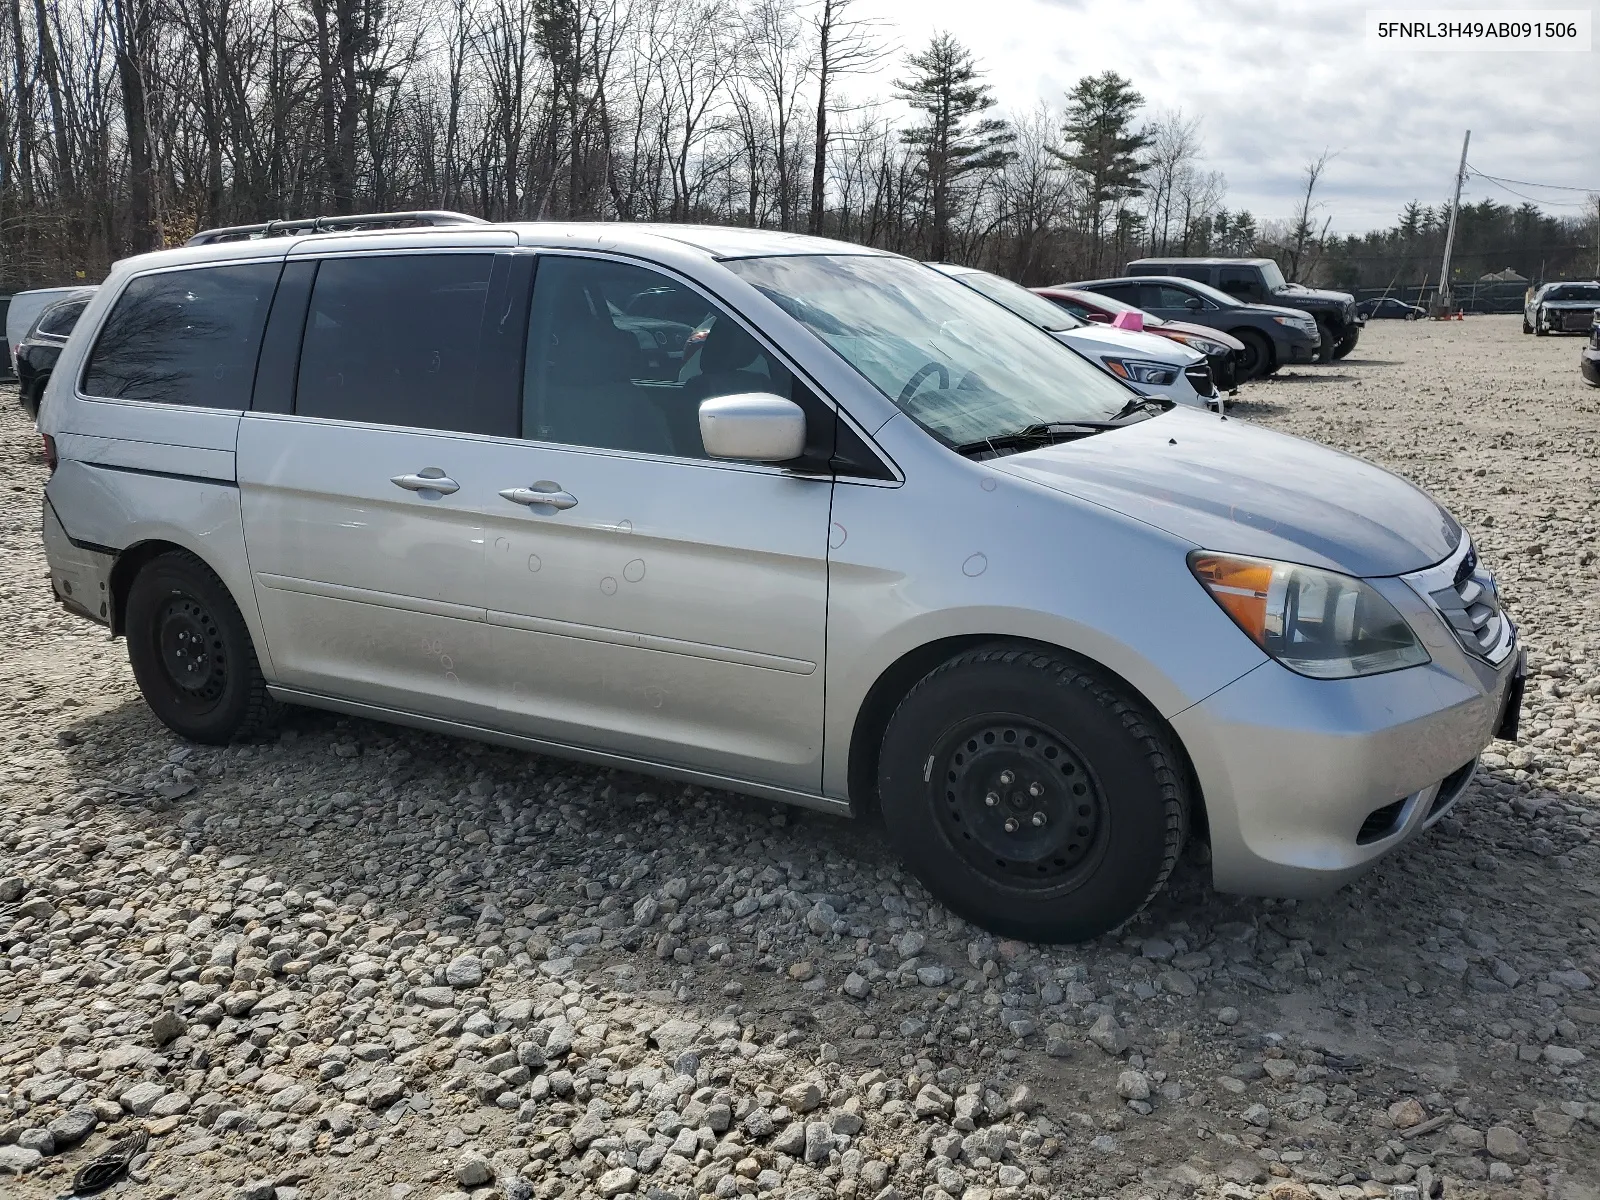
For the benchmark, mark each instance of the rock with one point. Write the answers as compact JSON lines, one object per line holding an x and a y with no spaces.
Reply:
{"x":587,"y":1128}
{"x":73,"y":1126}
{"x":857,"y":986}
{"x":1563,"y":1056}
{"x":473,"y":1170}
{"x":1505,"y":1144}
{"x":260,"y":1189}
{"x":617,"y":1181}
{"x":167,"y":1027}
{"x":819,"y":1140}
{"x":41,"y":1140}
{"x":802,"y":1097}
{"x":1407,"y":1113}
{"x":464,"y":972}
{"x":1178,"y":983}
{"x":17,"y":1160}
{"x":1228,"y":1016}
{"x":1258,"y":1115}
{"x":802,"y":970}
{"x":141,"y":1097}
{"x":1022,"y":1100}
{"x":932,"y":1102}
{"x":11,"y":888}
{"x":791,"y":1140}
{"x":1108,"y":1035}
{"x":1133,"y":1085}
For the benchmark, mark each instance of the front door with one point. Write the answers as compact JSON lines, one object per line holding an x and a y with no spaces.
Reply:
{"x":644,"y":600}
{"x":365,"y":540}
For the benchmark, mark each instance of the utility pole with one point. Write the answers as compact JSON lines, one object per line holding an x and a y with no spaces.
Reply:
{"x":1441,"y":303}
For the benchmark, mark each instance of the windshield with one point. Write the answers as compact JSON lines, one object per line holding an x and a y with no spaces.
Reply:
{"x":1271,"y":276}
{"x":1034,"y":309}
{"x":959,"y":365}
{"x":1576,"y":291}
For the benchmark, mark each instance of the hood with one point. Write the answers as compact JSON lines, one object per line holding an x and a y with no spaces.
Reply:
{"x":1296,"y":292}
{"x":1234,"y":487}
{"x":1277,"y":310}
{"x":1167,"y":328}
{"x":1570,"y":305}
{"x":1097,"y":341}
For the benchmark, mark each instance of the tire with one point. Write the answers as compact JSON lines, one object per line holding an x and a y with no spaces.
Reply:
{"x":29,"y":399}
{"x":182,"y":624}
{"x":1326,"y":342}
{"x":1256,"y":358}
{"x":1348,"y":342}
{"x":1526,"y":328}
{"x":1071,"y":861}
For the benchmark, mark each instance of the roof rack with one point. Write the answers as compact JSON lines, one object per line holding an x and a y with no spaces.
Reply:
{"x":341,"y":224}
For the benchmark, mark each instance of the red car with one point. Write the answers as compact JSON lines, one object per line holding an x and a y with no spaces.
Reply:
{"x":1223,"y":351}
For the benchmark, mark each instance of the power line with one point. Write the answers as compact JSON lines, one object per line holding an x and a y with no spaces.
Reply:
{"x":1558,"y":187}
{"x":1477,"y":174}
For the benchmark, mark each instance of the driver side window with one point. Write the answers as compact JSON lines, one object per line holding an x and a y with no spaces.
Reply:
{"x":1237,"y":281}
{"x":620,"y":358}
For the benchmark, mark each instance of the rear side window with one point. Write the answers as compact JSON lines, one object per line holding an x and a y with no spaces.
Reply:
{"x":185,"y":337}
{"x":58,"y":321}
{"x":394,"y":340}
{"x":1241,"y":282}
{"x":1128,"y":293}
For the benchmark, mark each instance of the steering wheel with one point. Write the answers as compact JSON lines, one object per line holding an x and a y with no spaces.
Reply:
{"x":915,"y":382}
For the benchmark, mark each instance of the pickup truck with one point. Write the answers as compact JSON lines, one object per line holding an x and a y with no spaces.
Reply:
{"x":1259,"y":281}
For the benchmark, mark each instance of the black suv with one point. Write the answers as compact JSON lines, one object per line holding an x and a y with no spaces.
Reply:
{"x":40,"y":347}
{"x":1259,"y":281}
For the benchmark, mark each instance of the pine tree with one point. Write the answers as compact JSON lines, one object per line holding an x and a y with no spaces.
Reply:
{"x":1103,"y":147}
{"x":954,"y":140}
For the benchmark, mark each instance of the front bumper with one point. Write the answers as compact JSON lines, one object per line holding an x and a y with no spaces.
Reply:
{"x":1590,"y":364}
{"x":1302,"y":351}
{"x":1308,"y":782}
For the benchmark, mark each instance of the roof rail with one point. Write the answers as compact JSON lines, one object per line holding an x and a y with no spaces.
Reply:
{"x":341,"y":224}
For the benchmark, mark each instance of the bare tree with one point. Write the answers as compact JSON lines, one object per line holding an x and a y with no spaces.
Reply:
{"x":1304,"y":244}
{"x":846,"y":45}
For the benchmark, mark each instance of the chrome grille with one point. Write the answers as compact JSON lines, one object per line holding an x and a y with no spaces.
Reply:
{"x":1463,"y":593}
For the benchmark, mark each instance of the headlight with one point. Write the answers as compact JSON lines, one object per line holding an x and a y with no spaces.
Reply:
{"x":1201,"y":344}
{"x":1317,"y":623}
{"x":1138,"y":370}
{"x":1303,"y":324}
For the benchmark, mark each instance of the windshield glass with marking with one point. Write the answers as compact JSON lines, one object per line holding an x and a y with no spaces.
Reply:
{"x":958,"y":364}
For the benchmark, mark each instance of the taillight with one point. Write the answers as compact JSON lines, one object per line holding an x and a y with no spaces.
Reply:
{"x":50,"y":452}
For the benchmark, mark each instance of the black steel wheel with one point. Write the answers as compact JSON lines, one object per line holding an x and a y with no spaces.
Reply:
{"x":1021,"y":801}
{"x":1032,"y":794}
{"x":191,"y":652}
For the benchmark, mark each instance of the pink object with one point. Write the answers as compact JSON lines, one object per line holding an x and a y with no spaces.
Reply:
{"x":1131,"y":319}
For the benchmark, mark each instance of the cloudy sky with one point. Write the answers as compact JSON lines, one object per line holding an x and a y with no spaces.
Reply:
{"x":1277,"y":81}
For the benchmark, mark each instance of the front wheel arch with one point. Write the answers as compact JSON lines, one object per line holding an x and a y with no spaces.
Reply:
{"x":895,"y":682}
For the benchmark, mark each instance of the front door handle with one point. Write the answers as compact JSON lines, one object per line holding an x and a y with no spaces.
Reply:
{"x":429,"y":479}
{"x":541,"y":494}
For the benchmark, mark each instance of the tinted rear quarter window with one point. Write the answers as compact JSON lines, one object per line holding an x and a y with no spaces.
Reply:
{"x":184,"y":337}
{"x":394,"y":340}
{"x":60,"y":320}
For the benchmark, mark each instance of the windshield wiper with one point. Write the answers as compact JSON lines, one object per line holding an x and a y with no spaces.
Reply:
{"x":1045,"y":433}
{"x":1139,"y":404}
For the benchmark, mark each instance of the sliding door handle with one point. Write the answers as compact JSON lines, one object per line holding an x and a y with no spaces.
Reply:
{"x":429,"y":479}
{"x":543,"y":494}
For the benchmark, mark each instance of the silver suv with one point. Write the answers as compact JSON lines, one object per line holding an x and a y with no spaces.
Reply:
{"x":772,"y":514}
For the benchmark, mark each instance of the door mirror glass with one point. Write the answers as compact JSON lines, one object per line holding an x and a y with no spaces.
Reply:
{"x":1099,"y":318}
{"x":1194,"y":304}
{"x":753,"y":426}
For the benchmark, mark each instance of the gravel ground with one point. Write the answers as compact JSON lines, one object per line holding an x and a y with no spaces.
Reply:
{"x":359,"y":961}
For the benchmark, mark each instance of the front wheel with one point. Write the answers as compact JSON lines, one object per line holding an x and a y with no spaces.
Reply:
{"x":1256,"y":358}
{"x":191,"y":652}
{"x":1526,"y":328}
{"x":1347,"y":342}
{"x":1032,"y":795}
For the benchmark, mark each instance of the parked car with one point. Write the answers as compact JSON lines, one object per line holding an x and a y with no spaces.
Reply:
{"x":1560,"y":308}
{"x":875,"y":544}
{"x":1589,"y":360}
{"x":1259,"y":281}
{"x":23,"y":310}
{"x":1391,"y":308}
{"x":1150,"y":365}
{"x":1273,"y":337}
{"x":41,"y":345}
{"x":1223,"y":351}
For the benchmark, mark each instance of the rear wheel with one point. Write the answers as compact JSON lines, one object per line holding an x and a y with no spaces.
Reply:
{"x":191,"y":652}
{"x":1032,"y":795}
{"x":1255,"y":360}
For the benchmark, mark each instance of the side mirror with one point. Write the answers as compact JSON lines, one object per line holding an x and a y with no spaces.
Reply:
{"x":1194,"y":304}
{"x":1099,"y":318}
{"x":753,"y":426}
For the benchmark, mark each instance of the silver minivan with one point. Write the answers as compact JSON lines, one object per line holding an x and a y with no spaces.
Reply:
{"x":774,"y":514}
